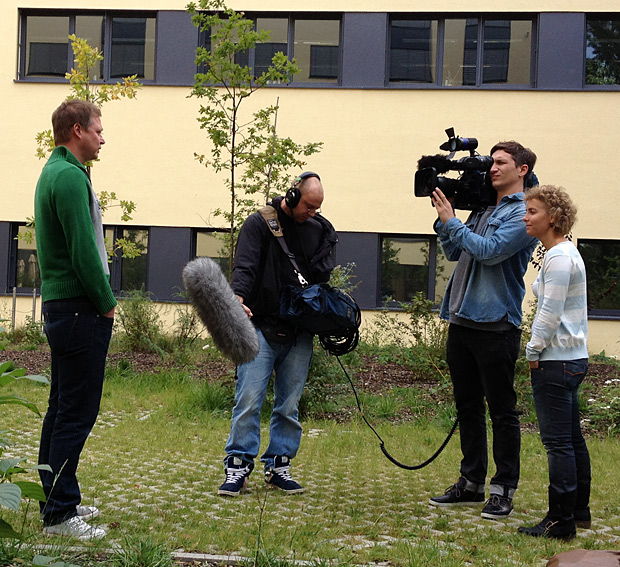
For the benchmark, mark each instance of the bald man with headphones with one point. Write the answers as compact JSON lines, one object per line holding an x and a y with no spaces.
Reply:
{"x":261,"y":270}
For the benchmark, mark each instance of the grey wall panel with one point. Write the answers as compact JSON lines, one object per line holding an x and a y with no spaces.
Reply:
{"x":169,"y":251}
{"x":364,"y":50}
{"x":363,"y":250}
{"x":561,"y":51}
{"x":177,"y":40}
{"x":6,"y":246}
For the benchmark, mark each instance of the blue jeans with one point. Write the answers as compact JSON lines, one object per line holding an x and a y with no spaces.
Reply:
{"x":555,"y":385}
{"x":482,"y":366}
{"x":79,"y":338}
{"x":291,"y":364}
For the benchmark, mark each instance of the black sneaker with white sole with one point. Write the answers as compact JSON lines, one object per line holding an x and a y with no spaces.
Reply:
{"x":279,"y":476}
{"x":237,"y":473}
{"x":497,"y":507}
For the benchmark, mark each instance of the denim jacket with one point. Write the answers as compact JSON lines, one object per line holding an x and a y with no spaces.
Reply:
{"x":495,"y":288}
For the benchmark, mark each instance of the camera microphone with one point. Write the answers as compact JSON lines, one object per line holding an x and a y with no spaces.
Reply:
{"x":439,"y":162}
{"x":220,"y":310}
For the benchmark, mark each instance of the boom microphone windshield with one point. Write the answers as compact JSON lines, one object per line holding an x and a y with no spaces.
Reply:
{"x":220,"y":311}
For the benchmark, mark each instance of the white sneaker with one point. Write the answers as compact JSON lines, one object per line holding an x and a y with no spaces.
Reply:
{"x":75,"y":527}
{"x":87,"y":512}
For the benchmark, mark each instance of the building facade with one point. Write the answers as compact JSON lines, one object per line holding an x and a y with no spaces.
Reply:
{"x":378,"y":86}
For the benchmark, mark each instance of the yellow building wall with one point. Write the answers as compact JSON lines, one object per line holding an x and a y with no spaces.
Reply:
{"x":372,"y":138}
{"x":372,"y":141}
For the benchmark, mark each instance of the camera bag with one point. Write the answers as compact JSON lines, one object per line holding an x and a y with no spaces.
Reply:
{"x":319,"y":309}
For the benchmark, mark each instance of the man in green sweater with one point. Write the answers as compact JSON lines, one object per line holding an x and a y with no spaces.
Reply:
{"x":78,"y":309}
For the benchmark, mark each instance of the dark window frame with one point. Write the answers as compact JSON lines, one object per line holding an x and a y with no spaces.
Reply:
{"x":115,"y":262}
{"x":13,"y":262}
{"x":602,"y":16}
{"x":481,"y":19}
{"x":221,"y":261}
{"x":431,"y":283}
{"x":598,"y":313}
{"x":106,"y":39}
{"x":291,"y":18}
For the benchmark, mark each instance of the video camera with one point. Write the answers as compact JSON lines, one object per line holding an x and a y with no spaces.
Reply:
{"x":472,"y":190}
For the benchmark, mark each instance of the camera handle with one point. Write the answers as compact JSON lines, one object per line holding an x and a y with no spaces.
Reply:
{"x":382,"y":443}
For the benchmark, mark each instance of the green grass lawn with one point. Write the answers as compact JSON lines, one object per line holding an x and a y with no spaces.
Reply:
{"x":154,"y":462}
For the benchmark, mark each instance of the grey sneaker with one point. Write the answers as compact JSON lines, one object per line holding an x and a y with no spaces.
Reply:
{"x":75,"y":527}
{"x":87,"y":512}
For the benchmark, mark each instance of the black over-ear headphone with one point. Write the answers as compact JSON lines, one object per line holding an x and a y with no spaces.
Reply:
{"x":293,"y":195}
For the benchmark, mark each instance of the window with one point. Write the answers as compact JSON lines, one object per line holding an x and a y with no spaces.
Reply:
{"x":127,"y":42}
{"x":278,"y":42}
{"x":602,"y":260}
{"x":316,"y":48}
{"x":413,"y":51}
{"x":127,"y":274}
{"x":603,"y":51}
{"x":210,"y":245}
{"x":314,"y":43}
{"x":26,"y":267}
{"x":410,"y":265}
{"x":461,"y":51}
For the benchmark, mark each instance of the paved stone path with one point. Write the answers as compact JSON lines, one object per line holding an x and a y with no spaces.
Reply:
{"x":174,"y":492}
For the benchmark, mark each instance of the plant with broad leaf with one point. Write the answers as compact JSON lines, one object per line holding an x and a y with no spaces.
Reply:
{"x":13,"y":491}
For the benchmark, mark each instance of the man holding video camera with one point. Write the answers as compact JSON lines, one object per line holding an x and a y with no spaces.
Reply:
{"x":483,"y":305}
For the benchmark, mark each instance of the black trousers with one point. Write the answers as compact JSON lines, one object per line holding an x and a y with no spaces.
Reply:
{"x":482,"y":366}
{"x":79,"y":338}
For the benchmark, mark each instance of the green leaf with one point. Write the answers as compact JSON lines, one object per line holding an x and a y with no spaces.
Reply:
{"x":6,"y":379}
{"x":21,"y":402}
{"x":18,"y":372}
{"x":7,"y":532}
{"x":36,"y":378}
{"x":7,"y":464}
{"x":31,"y":490}
{"x":10,"y":495}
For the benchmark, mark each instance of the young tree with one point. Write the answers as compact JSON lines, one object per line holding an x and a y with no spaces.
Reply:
{"x":86,"y":58}
{"x":248,"y":149}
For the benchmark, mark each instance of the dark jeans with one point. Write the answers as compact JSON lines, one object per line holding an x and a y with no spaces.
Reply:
{"x":555,"y":385}
{"x":79,"y":338}
{"x":482,"y":365}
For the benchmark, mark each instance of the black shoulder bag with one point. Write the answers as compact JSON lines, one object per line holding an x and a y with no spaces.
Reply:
{"x":319,"y":309}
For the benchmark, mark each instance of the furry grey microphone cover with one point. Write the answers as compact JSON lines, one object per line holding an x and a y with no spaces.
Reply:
{"x":220,"y":310}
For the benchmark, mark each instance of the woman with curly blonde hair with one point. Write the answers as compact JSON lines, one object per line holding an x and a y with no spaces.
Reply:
{"x":558,"y":357}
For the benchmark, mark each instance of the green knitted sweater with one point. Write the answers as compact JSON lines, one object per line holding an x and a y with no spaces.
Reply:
{"x":69,"y":259}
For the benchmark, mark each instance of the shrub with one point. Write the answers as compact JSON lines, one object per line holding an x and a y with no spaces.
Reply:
{"x":30,"y":334}
{"x":418,"y":342}
{"x":139,"y":321}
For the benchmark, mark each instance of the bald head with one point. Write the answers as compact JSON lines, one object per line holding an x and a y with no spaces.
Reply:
{"x":311,"y":191}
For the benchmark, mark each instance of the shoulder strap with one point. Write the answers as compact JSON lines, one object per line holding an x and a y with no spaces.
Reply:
{"x":270,"y":215}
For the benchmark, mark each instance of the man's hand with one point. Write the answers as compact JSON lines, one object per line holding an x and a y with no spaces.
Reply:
{"x":247,"y":310}
{"x":445,"y":211}
{"x":110,"y":313}
{"x":533,"y":364}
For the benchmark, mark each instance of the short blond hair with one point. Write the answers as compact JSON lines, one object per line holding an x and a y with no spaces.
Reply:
{"x":560,"y":206}
{"x":70,"y":112}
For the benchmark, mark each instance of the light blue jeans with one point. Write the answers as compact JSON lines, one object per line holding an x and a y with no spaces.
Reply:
{"x":291,"y":364}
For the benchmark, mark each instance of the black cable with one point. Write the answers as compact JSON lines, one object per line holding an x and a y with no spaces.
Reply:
{"x":382,"y":443}
{"x":344,"y":341}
